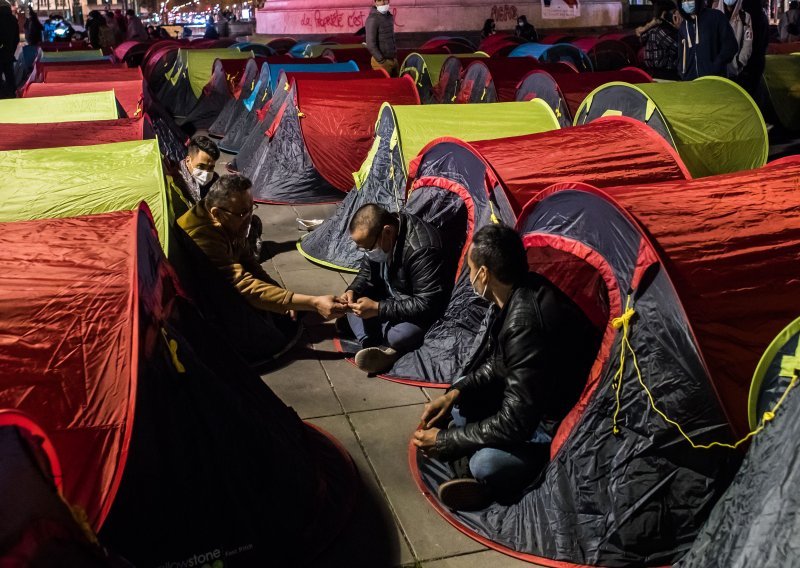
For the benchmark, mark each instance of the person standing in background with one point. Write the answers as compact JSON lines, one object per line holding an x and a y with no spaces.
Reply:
{"x":489,"y":29}
{"x":136,"y":30}
{"x":525,"y":30}
{"x":9,"y":39}
{"x":34,"y":29}
{"x":708,"y":43}
{"x":661,"y":41}
{"x":380,"y":38}
{"x":750,"y":77}
{"x":789,"y":27}
{"x":742,"y":26}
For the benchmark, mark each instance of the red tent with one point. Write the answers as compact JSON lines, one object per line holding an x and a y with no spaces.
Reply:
{"x":360,"y":57}
{"x":565,"y":92}
{"x":103,"y":349}
{"x":131,"y":52}
{"x":336,"y":129}
{"x":783,"y":48}
{"x":496,"y":80}
{"x":735,"y":266}
{"x":617,"y":152}
{"x":343,"y":39}
{"x":606,"y":54}
{"x":234,"y":71}
{"x":128,"y":93}
{"x":63,"y":134}
{"x":281,"y":45}
{"x":91,"y":74}
{"x":499,"y":44}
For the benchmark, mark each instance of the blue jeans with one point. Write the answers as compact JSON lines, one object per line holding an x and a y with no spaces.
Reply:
{"x":403,"y":337}
{"x":508,"y":469}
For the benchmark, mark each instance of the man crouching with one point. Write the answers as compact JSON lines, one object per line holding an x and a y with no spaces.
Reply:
{"x":401,"y":288}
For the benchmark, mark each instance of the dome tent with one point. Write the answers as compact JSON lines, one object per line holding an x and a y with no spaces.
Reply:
{"x":624,"y":486}
{"x":175,"y":450}
{"x":401,"y":132}
{"x":781,"y":76}
{"x":756,"y":517}
{"x":606,"y":54}
{"x":256,"y":143}
{"x":81,"y":107}
{"x":610,"y":152}
{"x":225,"y":78}
{"x":497,"y":80}
{"x":263,"y":93}
{"x":245,"y":88}
{"x":127,"y":93}
{"x":425,"y":69}
{"x":57,"y":135}
{"x":564,"y":92}
{"x":321,"y":135}
{"x":680,"y":112}
{"x":555,"y":53}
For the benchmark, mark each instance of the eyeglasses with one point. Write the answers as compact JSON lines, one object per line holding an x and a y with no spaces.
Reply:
{"x":364,"y":250}
{"x":241,"y":215}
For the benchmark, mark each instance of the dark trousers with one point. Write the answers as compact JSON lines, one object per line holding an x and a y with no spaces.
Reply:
{"x":403,"y":337}
{"x":9,"y":87}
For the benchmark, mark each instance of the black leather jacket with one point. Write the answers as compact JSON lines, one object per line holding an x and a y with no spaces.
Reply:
{"x":416,"y":275}
{"x":530,"y":369}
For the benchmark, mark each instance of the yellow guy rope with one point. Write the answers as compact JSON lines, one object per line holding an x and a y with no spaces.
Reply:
{"x":624,"y":322}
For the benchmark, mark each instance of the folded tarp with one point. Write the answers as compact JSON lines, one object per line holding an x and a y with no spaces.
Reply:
{"x":56,"y":135}
{"x":80,"y":180}
{"x":128,"y":93}
{"x":66,"y":108}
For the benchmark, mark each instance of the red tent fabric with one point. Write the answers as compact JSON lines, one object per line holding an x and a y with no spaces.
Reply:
{"x":606,"y":53}
{"x":618,"y":151}
{"x":62,"y":134}
{"x":234,"y":70}
{"x":576,"y":86}
{"x":338,"y":120}
{"x":344,"y":39}
{"x":42,"y":67}
{"x":498,"y":42}
{"x":91,"y":74}
{"x":128,"y":93}
{"x":735,"y":266}
{"x":506,"y":74}
{"x":783,"y":48}
{"x":360,"y":57}
{"x":73,"y":367}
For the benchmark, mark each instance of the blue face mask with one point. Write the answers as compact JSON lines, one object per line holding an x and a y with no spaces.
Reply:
{"x":688,"y":7}
{"x":730,"y":3}
{"x":377,"y":254}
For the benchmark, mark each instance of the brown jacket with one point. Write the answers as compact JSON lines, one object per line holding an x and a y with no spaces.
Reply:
{"x":234,"y":260}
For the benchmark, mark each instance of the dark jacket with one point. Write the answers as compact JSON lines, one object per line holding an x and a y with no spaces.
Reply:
{"x":33,"y":31}
{"x":416,"y":274}
{"x":530,"y":369}
{"x":380,"y":35}
{"x":9,"y":34}
{"x":707,"y":43}
{"x":750,"y":77}
{"x":526,"y":31}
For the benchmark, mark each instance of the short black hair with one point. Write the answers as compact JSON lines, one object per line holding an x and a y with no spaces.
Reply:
{"x":130,"y":12}
{"x":372,"y":217}
{"x":499,"y":248}
{"x":205,"y":144}
{"x":221,"y":191}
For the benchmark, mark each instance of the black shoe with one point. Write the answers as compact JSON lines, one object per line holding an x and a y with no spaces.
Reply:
{"x":464,"y":495}
{"x":460,"y":468}
{"x":343,"y":329}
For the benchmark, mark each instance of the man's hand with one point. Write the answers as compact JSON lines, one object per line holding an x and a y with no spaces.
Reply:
{"x":346,"y":298}
{"x":365,"y":308}
{"x":438,"y":408}
{"x":425,"y":440}
{"x":329,"y":307}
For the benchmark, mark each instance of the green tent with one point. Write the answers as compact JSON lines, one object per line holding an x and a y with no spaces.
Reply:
{"x":782,"y":80}
{"x":81,"y":55}
{"x":318,"y":49}
{"x":82,"y":180}
{"x":712,"y":122}
{"x":197,"y":65}
{"x":100,"y":105}
{"x":400,"y":134}
{"x":426,"y":69}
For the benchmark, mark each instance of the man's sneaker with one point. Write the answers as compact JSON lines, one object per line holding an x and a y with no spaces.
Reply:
{"x":376,"y":359}
{"x":464,"y":495}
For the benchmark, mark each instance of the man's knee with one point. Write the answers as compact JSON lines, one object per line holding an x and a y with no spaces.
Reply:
{"x":485,"y":465}
{"x":405,"y":337}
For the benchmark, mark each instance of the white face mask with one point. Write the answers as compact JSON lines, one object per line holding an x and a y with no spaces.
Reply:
{"x":202,"y":176}
{"x":472,"y":285}
{"x":383,"y":9}
{"x":377,"y":254}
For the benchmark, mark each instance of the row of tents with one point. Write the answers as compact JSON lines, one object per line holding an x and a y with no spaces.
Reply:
{"x":130,"y":430}
{"x":598,"y":205}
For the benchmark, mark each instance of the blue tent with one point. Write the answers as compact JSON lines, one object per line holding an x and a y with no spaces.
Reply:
{"x":554,"y":53}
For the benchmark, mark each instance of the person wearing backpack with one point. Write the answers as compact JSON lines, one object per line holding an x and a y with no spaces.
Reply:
{"x":789,"y":26}
{"x":742,"y":26}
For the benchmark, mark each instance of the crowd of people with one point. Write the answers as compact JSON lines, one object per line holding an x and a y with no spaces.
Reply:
{"x":496,"y":422}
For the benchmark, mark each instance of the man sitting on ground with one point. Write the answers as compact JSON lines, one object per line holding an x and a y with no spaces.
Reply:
{"x":401,"y":288}
{"x":195,"y":174}
{"x":528,"y":373}
{"x":219,"y":224}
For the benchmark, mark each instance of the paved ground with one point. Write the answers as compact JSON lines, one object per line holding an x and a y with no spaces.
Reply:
{"x":392,"y":525}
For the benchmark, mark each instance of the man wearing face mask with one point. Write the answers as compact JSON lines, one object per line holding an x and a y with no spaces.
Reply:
{"x":218,"y":224}
{"x":707,"y":41}
{"x":525,"y":30}
{"x":380,"y":38}
{"x":401,"y":288}
{"x":195,"y":174}
{"x":742,"y":26}
{"x":527,"y":374}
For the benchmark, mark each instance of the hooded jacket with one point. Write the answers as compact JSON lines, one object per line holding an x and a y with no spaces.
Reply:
{"x":416,"y":276}
{"x":742,"y":26}
{"x":529,"y":370}
{"x":380,"y":35}
{"x":707,"y":43}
